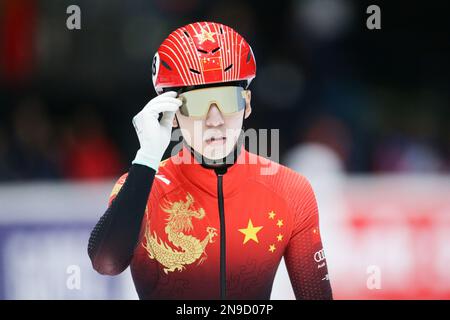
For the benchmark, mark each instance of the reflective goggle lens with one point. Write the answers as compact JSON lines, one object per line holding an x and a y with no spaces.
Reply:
{"x":196,"y":103}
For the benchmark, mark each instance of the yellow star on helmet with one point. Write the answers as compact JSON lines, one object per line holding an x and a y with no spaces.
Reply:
{"x":250,"y":232}
{"x":205,"y":35}
{"x":279,"y":237}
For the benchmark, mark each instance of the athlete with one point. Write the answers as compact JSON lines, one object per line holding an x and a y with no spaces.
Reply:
{"x":208,"y":222}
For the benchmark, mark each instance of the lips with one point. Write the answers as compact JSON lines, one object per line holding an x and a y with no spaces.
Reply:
{"x":215,"y":140}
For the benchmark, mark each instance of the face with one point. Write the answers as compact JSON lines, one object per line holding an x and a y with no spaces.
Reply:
{"x":215,"y":135}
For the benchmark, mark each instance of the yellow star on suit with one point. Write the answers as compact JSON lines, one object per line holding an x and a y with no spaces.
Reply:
{"x":250,"y":232}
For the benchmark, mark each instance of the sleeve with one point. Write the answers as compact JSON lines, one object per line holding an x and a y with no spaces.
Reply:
{"x":116,"y":234}
{"x":304,"y":255}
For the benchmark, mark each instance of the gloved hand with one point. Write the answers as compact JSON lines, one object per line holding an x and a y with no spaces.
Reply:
{"x":154,"y":135}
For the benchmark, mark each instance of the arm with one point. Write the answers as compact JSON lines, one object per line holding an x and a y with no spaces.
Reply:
{"x":304,"y":256}
{"x":115,"y":236}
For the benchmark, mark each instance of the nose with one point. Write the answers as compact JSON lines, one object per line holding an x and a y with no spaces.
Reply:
{"x":214,"y":117}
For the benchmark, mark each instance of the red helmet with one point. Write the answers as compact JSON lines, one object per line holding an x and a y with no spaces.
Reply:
{"x":202,"y":53}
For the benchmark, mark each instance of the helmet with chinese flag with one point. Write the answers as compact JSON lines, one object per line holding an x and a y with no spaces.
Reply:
{"x":202,"y":53}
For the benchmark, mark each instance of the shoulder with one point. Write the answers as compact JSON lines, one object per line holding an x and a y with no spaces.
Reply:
{"x":117,"y":186}
{"x":163,"y":177}
{"x":294,"y":187}
{"x":166,"y":178}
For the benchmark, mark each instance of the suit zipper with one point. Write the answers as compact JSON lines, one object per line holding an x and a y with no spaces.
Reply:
{"x":223,"y":275}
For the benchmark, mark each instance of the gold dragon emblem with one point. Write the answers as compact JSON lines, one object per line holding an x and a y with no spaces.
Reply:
{"x":187,"y":248}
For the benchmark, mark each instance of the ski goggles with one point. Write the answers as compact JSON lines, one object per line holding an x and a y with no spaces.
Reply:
{"x":228,"y":99}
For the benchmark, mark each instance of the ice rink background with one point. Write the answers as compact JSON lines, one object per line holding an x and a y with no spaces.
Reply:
{"x":399,"y":225}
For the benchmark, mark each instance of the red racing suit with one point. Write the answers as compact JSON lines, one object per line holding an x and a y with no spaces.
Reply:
{"x":207,"y":235}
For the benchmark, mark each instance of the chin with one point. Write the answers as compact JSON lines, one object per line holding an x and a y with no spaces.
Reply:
{"x":216,"y":152}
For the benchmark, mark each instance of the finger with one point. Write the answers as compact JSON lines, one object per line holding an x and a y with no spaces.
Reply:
{"x":161,"y":107}
{"x":137,"y":122}
{"x":171,"y":94}
{"x":167,"y":119}
{"x":165,"y":99}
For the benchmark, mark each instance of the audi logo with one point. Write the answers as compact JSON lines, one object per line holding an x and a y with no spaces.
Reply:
{"x":319,"y":256}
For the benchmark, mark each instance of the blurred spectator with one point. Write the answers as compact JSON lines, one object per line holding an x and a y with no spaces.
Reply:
{"x":312,"y":57}
{"x":314,"y":159}
{"x":17,"y":36}
{"x":333,"y":135}
{"x":447,"y":153}
{"x":410,"y":146}
{"x":400,"y":153}
{"x":32,"y":153}
{"x":87,"y":152}
{"x":4,"y":166}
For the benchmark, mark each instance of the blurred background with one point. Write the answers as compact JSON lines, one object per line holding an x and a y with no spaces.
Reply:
{"x":362,"y":113}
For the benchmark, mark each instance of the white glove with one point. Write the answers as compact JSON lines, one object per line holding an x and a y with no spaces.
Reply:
{"x":154,"y":135}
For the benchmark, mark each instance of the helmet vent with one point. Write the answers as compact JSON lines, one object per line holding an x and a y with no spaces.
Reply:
{"x":194,"y":71}
{"x":221,"y":30}
{"x":248,"y":57}
{"x":215,"y":50}
{"x":165,"y":65}
{"x":202,"y":51}
{"x":228,"y":68}
{"x":187,"y":34}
